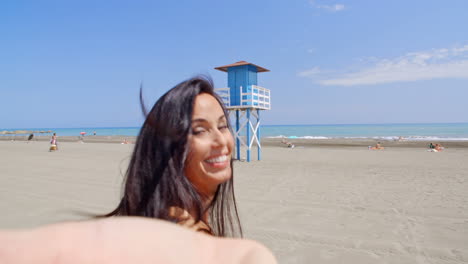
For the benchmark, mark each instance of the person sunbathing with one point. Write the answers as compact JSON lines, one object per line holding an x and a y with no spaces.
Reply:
{"x":435,"y":148}
{"x":438,"y":147}
{"x":287,"y":143}
{"x":377,"y":146}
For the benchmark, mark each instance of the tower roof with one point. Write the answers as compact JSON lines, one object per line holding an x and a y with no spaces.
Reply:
{"x":240,"y":63}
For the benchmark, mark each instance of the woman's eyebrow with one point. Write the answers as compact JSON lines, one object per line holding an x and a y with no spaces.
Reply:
{"x":199,"y":120}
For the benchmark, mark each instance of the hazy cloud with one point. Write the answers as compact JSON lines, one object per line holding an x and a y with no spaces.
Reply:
{"x":332,"y":8}
{"x":414,"y":66}
{"x":309,"y":73}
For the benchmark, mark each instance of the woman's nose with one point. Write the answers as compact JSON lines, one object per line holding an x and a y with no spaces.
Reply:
{"x":219,"y":138}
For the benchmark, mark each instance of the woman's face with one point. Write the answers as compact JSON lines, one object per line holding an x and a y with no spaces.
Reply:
{"x":211,"y":143}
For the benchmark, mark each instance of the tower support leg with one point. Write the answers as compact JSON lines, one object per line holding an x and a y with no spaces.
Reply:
{"x":237,"y":139}
{"x":259,"y":148}
{"x":248,"y":135}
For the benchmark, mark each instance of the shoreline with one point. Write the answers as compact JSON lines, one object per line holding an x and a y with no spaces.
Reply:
{"x":267,"y":142}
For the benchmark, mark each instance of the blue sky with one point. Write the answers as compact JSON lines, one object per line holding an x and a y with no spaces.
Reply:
{"x":80,"y":63}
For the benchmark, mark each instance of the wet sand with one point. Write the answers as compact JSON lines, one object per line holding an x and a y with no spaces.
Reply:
{"x":321,"y":202}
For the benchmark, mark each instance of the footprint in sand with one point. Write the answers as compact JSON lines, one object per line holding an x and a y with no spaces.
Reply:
{"x":328,"y":254}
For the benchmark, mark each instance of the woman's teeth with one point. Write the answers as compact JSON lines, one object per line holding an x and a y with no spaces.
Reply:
{"x":222,"y":158}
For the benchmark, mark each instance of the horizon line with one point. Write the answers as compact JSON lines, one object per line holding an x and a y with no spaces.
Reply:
{"x":331,"y":124}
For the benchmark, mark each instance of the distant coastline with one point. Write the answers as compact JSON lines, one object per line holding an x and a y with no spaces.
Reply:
{"x":389,"y":132}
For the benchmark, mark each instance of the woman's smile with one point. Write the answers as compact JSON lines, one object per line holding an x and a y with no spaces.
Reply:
{"x":221,"y":161}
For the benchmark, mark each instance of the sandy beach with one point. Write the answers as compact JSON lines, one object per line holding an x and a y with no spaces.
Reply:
{"x":321,"y":202}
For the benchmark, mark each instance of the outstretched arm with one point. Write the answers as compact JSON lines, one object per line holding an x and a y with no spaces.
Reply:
{"x":123,"y":240}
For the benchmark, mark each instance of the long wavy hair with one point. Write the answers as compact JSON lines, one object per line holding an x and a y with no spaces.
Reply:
{"x":155,"y":178}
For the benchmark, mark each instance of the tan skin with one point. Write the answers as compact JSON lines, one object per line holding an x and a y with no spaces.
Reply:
{"x":125,"y":240}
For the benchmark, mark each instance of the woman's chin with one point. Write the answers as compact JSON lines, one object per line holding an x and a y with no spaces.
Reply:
{"x":220,"y":176}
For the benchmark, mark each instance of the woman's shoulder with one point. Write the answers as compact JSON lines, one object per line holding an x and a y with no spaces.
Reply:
{"x":185,"y":219}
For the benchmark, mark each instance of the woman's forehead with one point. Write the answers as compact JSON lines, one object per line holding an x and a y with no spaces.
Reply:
{"x":206,"y":106}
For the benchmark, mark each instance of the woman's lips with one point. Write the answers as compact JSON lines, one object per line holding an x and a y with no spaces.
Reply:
{"x":219,"y":162}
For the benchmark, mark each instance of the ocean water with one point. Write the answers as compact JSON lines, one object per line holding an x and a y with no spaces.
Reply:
{"x":411,"y":132}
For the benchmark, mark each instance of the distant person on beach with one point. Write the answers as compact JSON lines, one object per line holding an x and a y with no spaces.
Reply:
{"x":287,"y":143}
{"x":31,"y":136}
{"x":435,"y":148}
{"x":125,"y":141}
{"x":94,"y":133}
{"x":53,"y":143}
{"x":377,"y":146}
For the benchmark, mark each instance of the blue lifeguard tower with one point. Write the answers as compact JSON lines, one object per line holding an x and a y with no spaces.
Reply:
{"x":245,"y":98}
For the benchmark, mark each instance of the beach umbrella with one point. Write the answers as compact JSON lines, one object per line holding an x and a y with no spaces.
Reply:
{"x":82,"y":133}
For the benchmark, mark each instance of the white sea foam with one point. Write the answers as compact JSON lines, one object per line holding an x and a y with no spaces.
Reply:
{"x":280,"y":136}
{"x":296,"y":137}
{"x":383,"y":138}
{"x":429,"y":138}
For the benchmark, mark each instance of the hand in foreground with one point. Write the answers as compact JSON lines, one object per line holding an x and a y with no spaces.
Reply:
{"x":125,"y":240}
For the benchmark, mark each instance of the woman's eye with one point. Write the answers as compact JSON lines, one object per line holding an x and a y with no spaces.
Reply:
{"x":223,"y":127}
{"x":198,"y":131}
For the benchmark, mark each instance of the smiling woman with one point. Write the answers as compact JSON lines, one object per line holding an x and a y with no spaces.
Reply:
{"x":181,"y":168}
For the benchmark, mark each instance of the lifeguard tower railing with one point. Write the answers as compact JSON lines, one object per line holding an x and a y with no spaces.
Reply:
{"x":257,"y":97}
